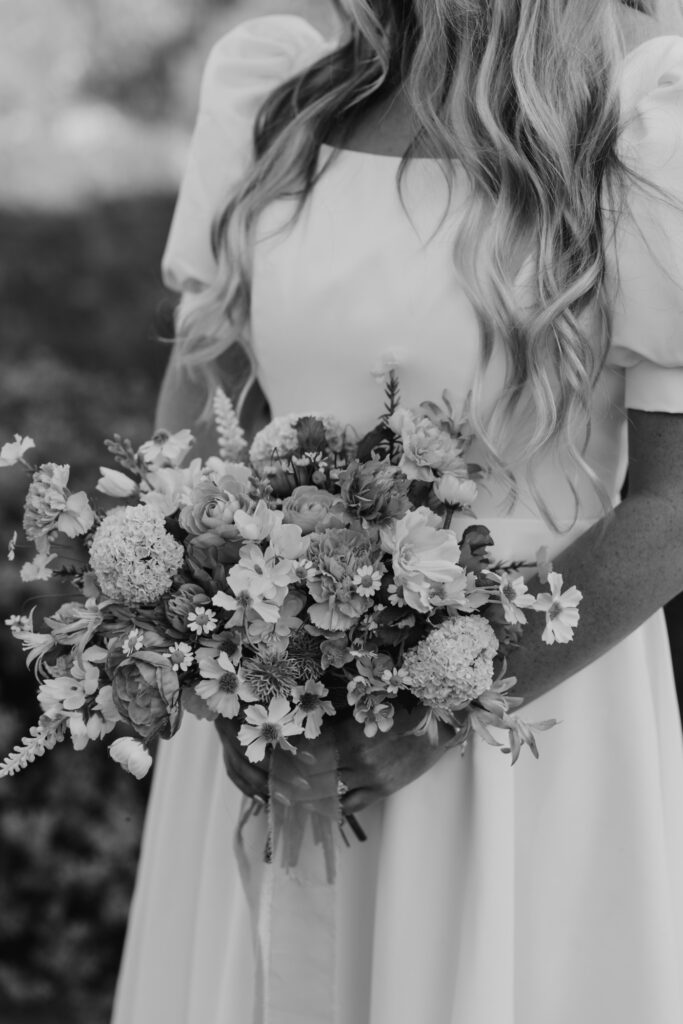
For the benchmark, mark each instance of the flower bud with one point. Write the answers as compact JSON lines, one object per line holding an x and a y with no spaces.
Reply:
{"x":453,"y":490}
{"x":115,"y":484}
{"x":131,"y":755}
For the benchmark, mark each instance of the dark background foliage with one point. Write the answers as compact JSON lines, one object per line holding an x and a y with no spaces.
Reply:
{"x":96,"y":103}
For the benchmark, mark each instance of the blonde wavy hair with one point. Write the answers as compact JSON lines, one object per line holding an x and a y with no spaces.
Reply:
{"x":522,"y":94}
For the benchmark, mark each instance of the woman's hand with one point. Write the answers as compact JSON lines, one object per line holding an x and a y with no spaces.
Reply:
{"x":375,"y":768}
{"x":251,"y":779}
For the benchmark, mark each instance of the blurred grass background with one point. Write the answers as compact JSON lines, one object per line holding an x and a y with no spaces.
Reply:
{"x":97,"y":101}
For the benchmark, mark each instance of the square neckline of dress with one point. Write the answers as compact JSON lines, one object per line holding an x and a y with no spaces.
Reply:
{"x":393,"y":157}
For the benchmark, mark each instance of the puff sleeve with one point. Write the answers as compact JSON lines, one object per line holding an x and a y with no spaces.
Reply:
{"x":647,"y":331}
{"x":242,"y":68}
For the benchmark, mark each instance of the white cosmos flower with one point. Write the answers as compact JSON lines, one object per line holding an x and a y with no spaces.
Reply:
{"x":561,"y":611}
{"x":220,"y":686}
{"x":268,"y":728}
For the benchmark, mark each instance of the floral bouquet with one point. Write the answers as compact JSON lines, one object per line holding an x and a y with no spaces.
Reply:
{"x":314,"y":574}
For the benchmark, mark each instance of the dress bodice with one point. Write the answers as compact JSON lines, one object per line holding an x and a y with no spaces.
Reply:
{"x":364,"y":278}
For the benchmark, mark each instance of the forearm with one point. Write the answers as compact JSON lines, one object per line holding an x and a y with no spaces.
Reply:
{"x":627,"y":567}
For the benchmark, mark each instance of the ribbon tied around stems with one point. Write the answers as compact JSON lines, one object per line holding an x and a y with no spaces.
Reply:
{"x":290,"y":886}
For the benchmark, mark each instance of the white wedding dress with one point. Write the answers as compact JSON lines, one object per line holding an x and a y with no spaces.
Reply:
{"x":547,"y":893}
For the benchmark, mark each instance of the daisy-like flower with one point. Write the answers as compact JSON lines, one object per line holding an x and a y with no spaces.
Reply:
{"x":203,"y":621}
{"x":367,"y":580}
{"x":561,"y":611}
{"x":221,"y":687}
{"x":514,"y":596}
{"x":268,"y":728}
{"x":135,"y":641}
{"x":181,"y":656}
{"x":311,"y":707}
{"x":239,"y":604}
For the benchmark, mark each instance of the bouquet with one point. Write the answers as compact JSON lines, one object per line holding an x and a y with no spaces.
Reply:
{"x":313,"y":574}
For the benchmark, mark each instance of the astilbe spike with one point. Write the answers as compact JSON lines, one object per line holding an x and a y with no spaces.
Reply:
{"x":232,"y":442}
{"x":41,"y":738}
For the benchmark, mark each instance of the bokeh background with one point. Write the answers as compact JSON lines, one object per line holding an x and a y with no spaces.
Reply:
{"x":97,"y":100}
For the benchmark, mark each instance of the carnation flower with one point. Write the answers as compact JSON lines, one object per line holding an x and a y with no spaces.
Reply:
{"x":452,"y":665}
{"x":131,"y":755}
{"x":133,"y":555}
{"x":38,"y":570}
{"x":50,"y":506}
{"x":337,"y":557}
{"x":428,"y":448}
{"x":375,"y":491}
{"x":268,"y":728}
{"x":561,"y":611}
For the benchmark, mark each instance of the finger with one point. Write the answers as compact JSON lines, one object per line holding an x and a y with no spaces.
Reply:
{"x":358,"y":799}
{"x":252,"y":781}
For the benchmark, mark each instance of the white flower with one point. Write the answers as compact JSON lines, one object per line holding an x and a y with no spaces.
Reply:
{"x":106,"y":709}
{"x":115,"y":484}
{"x":374,"y":716}
{"x":221,"y":687}
{"x":455,"y":490}
{"x":181,"y":656}
{"x":18,"y":623}
{"x":202,"y":621}
{"x":258,"y":525}
{"x":133,"y":642}
{"x":267,"y":728}
{"x":514,"y":596}
{"x":367,"y":580}
{"x":561,"y":611}
{"x":311,"y":707}
{"x":13,"y":452}
{"x":79,"y":732}
{"x":169,"y":488}
{"x":133,"y":555}
{"x":131,"y":755}
{"x":37,"y":570}
{"x":11,"y":547}
{"x":165,"y":449}
{"x":70,"y":693}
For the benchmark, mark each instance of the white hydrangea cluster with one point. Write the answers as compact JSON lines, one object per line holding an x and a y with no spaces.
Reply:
{"x":133,"y":555}
{"x":453,"y":665}
{"x":279,"y":438}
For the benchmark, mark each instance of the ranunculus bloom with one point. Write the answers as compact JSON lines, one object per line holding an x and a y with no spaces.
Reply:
{"x":423,"y":555}
{"x":144,"y":691}
{"x":427,"y":447}
{"x":311,"y":509}
{"x":212,"y":509}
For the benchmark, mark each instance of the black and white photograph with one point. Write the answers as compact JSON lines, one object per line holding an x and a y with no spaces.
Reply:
{"x":341,"y":511}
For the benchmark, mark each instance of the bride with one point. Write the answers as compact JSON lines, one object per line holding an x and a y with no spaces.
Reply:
{"x":486,"y":196}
